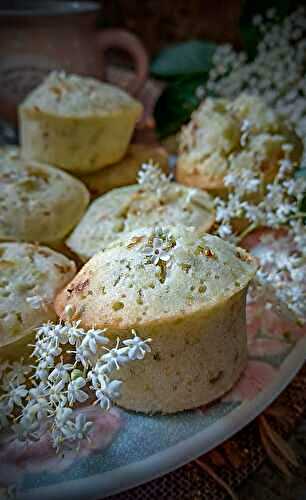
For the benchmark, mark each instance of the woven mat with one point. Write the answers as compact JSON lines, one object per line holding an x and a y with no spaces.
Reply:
{"x":231,"y":462}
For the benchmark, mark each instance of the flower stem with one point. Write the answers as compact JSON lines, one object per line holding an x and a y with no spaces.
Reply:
{"x":247,"y":230}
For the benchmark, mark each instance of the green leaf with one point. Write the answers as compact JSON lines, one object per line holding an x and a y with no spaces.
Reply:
{"x":176,"y":104}
{"x":250,"y":36}
{"x":188,"y":58}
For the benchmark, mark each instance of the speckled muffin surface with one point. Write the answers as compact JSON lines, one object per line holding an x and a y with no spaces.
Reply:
{"x":124,"y":172}
{"x":184,"y":290}
{"x":30,"y":277}
{"x":77,"y":123}
{"x":38,"y":203}
{"x":123,"y":209}
{"x":224,"y":133}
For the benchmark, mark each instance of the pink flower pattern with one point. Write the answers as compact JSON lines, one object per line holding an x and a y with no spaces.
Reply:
{"x":255,"y":378}
{"x":267,"y":334}
{"x":17,"y":458}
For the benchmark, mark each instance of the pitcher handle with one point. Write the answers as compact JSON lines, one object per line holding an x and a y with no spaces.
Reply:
{"x":130,"y":43}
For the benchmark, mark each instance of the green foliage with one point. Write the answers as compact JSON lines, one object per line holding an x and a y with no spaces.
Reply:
{"x":189,"y":58}
{"x":176,"y":104}
{"x":186,"y":65}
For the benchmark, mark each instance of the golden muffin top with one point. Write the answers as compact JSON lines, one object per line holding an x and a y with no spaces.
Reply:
{"x":155,"y":200}
{"x":224,"y":133}
{"x":38,"y":203}
{"x":72,"y":95}
{"x":30,"y":277}
{"x":153,"y":274}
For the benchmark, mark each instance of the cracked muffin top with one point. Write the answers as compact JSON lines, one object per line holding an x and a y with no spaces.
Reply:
{"x":153,"y":274}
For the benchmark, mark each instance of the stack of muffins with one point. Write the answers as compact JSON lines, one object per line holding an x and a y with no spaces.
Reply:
{"x":147,"y":261}
{"x":70,"y":127}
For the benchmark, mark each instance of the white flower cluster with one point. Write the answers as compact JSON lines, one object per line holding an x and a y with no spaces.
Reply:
{"x":282,"y":275}
{"x":281,"y":280}
{"x":279,"y":202}
{"x":71,"y":363}
{"x":277,"y":73}
{"x":152,"y":178}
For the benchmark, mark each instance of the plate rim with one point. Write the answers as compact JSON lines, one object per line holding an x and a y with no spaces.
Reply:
{"x":132,"y":475}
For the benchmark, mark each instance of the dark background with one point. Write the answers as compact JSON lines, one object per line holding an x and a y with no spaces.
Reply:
{"x":159,"y":23}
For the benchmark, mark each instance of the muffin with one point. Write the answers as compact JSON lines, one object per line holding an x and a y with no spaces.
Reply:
{"x":77,"y":123}
{"x":183,"y":289}
{"x":38,"y":203}
{"x":223,"y":134}
{"x":30,"y":276}
{"x":124,"y":172}
{"x":155,"y":201}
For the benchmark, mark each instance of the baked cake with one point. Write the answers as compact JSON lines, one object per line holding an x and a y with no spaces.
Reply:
{"x":38,"y":203}
{"x":124,"y":172}
{"x":238,"y":133}
{"x":155,"y":200}
{"x":30,"y":276}
{"x":77,"y":123}
{"x":183,"y":289}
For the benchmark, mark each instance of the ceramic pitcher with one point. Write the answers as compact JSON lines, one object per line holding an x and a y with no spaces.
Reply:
{"x":38,"y":37}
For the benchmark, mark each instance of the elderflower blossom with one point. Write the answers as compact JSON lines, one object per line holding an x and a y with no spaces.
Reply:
{"x":282,"y":275}
{"x":281,"y":279}
{"x":138,"y":347}
{"x":37,"y":410}
{"x":114,"y":358}
{"x":94,"y":337}
{"x":61,"y":372}
{"x":279,"y":204}
{"x":75,"y":392}
{"x":78,"y":429}
{"x":26,"y":431}
{"x":152,"y":178}
{"x":225,"y":231}
{"x":16,"y":395}
{"x":14,"y":372}
{"x":277,"y":73}
{"x":42,"y":396}
{"x":107,"y":392}
{"x":156,"y":252}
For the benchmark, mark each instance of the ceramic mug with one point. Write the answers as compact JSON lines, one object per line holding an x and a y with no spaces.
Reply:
{"x":36,"y":38}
